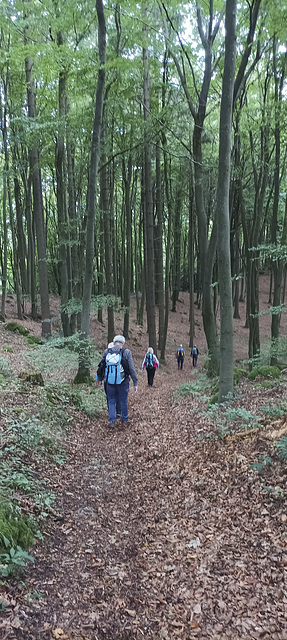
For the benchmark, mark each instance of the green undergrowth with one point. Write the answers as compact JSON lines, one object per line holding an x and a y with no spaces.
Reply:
{"x":33,"y":433}
{"x":62,"y":353}
{"x":16,"y":327}
{"x":199,"y":387}
{"x":206,"y":388}
{"x":272,"y":372}
{"x":228,"y":419}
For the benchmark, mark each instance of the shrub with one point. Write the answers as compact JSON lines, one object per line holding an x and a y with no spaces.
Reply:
{"x":265,"y":372}
{"x":14,"y":526}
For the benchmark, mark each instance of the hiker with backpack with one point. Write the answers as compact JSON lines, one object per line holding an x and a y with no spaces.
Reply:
{"x":119,"y":367}
{"x":150,"y":363}
{"x":194,"y":354}
{"x":180,"y":356}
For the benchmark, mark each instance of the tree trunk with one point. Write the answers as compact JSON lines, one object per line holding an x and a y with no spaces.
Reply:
{"x":127,"y":240}
{"x":84,"y":357}
{"x":61,"y":199}
{"x":222,"y":208}
{"x":34,"y":159}
{"x":148,"y":213}
{"x":159,"y":249}
{"x":106,"y":213}
{"x":191,"y":260}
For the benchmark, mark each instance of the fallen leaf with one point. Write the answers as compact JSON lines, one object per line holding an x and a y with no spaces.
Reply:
{"x":197,"y":608}
{"x":131,"y":612}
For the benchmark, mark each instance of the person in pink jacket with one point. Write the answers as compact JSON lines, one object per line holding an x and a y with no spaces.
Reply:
{"x":150,"y":363}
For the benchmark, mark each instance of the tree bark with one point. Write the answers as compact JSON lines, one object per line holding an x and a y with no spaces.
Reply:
{"x":222,"y":208}
{"x":148,"y":212}
{"x":34,"y":159}
{"x":84,"y":359}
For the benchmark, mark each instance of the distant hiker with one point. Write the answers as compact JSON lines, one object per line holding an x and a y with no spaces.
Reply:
{"x":180,"y":356}
{"x":118,"y":367}
{"x":194,"y":354}
{"x":150,"y":363}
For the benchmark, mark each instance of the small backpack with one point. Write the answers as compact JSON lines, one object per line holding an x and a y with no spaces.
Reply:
{"x":149,"y":361}
{"x":180,"y":352}
{"x":194,"y":351}
{"x":113,"y":368}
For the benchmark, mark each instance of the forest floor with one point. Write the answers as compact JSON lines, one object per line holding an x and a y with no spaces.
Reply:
{"x":160,"y":530}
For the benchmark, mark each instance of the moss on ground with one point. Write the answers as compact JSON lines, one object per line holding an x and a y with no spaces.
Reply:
{"x":17,"y":328}
{"x":265,"y":372}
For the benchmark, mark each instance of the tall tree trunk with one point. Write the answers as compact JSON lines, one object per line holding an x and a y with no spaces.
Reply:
{"x":34,"y":159}
{"x":106,"y":213}
{"x":61,"y":196}
{"x":176,"y":248}
{"x":191,"y":259}
{"x":84,"y":357}
{"x":159,"y":249}
{"x":277,"y":264}
{"x":127,"y":239}
{"x":22,"y":248}
{"x":222,"y":208}
{"x":148,"y":212}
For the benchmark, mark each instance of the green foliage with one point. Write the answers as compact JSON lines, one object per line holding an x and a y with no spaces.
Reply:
{"x":14,"y":527}
{"x":17,"y":328}
{"x":274,"y":411}
{"x":230,"y":419}
{"x":91,"y":401}
{"x":8,"y":349}
{"x":12,"y":559}
{"x":282,"y":446}
{"x":262,"y":464}
{"x":264,"y":372}
{"x":195,"y":387}
{"x":238,"y":374}
{"x":4,"y":368}
{"x":33,"y":340}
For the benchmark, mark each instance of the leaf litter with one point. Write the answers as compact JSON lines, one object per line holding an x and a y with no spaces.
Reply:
{"x":168,"y":535}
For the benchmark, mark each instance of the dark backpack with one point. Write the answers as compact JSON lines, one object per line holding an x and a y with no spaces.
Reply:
{"x":101,"y":370}
{"x":149,"y":361}
{"x":180,"y":353}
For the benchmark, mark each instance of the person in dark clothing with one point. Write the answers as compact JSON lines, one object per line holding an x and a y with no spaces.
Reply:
{"x":194,"y":354}
{"x":119,"y":364}
{"x":150,"y":363}
{"x":180,"y":356}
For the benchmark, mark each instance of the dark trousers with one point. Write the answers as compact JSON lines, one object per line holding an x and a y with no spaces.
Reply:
{"x":180,"y":362}
{"x":194,"y":360}
{"x":150,"y":375}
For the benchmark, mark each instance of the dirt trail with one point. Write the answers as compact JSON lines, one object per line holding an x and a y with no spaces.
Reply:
{"x":159,"y":535}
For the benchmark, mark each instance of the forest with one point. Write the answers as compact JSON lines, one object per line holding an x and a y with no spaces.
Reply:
{"x":143,"y":192}
{"x":144,"y":153}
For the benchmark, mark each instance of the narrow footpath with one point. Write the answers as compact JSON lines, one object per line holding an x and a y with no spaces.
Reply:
{"x":159,"y":535}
